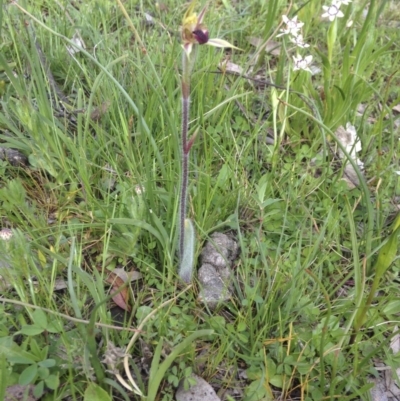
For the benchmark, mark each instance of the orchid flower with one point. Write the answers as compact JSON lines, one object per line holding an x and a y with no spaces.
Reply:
{"x":193,"y":31}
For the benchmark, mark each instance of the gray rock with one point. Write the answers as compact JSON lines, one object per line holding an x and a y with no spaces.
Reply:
{"x":219,"y":251}
{"x":201,"y":391}
{"x":215,"y":286}
{"x":14,"y":157}
{"x":215,"y":275}
{"x":378,"y":392}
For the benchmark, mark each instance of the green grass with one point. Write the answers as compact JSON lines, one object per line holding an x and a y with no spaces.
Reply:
{"x":104,"y":194}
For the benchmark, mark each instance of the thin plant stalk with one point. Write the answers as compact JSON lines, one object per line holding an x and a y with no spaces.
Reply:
{"x":185,"y":271}
{"x":185,"y":151}
{"x":193,"y":33}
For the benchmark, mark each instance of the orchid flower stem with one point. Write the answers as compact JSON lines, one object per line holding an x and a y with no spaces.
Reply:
{"x":187,"y":66}
{"x":184,"y":150}
{"x":193,"y":33}
{"x":184,"y":172}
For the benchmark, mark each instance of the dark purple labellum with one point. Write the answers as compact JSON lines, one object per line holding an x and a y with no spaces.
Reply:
{"x":201,"y":36}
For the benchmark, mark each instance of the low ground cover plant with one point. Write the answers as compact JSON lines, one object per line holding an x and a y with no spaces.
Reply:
{"x":293,"y":133}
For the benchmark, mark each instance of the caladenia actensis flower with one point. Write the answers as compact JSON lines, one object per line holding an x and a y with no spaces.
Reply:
{"x":193,"y":33}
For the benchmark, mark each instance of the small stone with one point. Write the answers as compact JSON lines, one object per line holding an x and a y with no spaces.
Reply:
{"x":215,"y":275}
{"x":201,"y":391}
{"x":219,"y":251}
{"x":215,"y":286}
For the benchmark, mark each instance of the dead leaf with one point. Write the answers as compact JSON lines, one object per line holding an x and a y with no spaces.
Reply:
{"x":60,"y":284}
{"x":149,"y":20}
{"x":117,"y":278}
{"x":349,"y":140}
{"x":385,"y":386}
{"x":77,"y":39}
{"x":395,"y":342}
{"x":127,"y":276}
{"x":271,"y":46}
{"x":227,"y":66}
{"x":122,"y":297}
{"x":396,"y":108}
{"x":395,"y":347}
{"x":350,"y":177}
{"x":98,"y":112}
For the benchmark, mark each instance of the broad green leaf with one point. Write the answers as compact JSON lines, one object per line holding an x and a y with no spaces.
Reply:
{"x":187,"y":262}
{"x":40,"y":162}
{"x":31,"y":330}
{"x":256,"y":391}
{"x":393,"y":307}
{"x":217,"y":322}
{"x":242,"y":326}
{"x":140,"y":224}
{"x":13,"y":353}
{"x":40,"y":318}
{"x":387,"y":254}
{"x":396,"y":224}
{"x":52,"y":382}
{"x":3,"y":376}
{"x":38,"y":390}
{"x":95,"y":392}
{"x":42,"y":259}
{"x":271,"y":367}
{"x":54,"y":326}
{"x":142,"y":312}
{"x":43,"y":373}
{"x":254,"y":372}
{"x":48,"y":363}
{"x":28,"y":375}
{"x":156,"y":360}
{"x":162,"y":368}
{"x":276,"y":381}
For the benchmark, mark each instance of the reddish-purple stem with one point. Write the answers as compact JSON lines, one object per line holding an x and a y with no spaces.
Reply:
{"x":185,"y":168}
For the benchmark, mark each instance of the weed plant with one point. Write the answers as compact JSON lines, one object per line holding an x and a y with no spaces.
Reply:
{"x":316,"y":295}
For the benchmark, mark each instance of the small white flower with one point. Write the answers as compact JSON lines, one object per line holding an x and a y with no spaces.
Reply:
{"x":299,"y":41}
{"x":301,"y":63}
{"x":349,"y":23}
{"x":292,"y":26}
{"x":340,"y":2}
{"x":6,"y":234}
{"x":332,"y":11}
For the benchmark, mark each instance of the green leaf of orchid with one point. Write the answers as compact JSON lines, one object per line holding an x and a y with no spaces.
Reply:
{"x":221,"y":43}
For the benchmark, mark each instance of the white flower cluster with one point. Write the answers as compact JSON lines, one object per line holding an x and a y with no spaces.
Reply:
{"x":293,"y":29}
